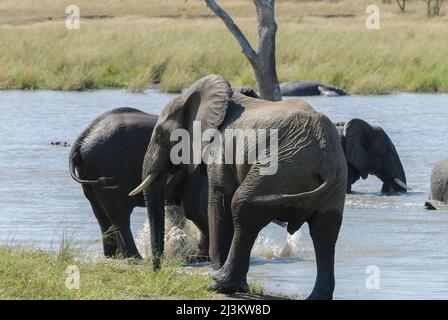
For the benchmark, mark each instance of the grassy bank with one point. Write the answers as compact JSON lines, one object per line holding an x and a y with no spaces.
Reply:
{"x":30,"y":274}
{"x":136,"y":43}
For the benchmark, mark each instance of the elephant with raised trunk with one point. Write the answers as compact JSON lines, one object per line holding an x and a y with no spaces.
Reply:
{"x":107,"y":160}
{"x":308,"y":184}
{"x":438,"y":191}
{"x":369,"y":150}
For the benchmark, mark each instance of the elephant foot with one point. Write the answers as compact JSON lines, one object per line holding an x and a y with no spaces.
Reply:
{"x":319,"y":296}
{"x":223,"y":283}
{"x":216,"y":287}
{"x":429,"y":206}
{"x":135,"y":256}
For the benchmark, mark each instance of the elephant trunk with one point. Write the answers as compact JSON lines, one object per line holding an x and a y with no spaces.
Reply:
{"x":156,"y":216}
{"x":396,"y":177}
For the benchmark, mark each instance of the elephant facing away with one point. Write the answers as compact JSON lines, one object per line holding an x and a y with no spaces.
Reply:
{"x":301,"y":88}
{"x":106,"y":159}
{"x":369,"y":150}
{"x":438,"y":191}
{"x":308,"y":185}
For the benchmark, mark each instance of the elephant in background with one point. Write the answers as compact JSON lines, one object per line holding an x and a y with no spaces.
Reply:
{"x":308,"y":186}
{"x":301,"y":88}
{"x":107,"y":158}
{"x":438,"y":191}
{"x":369,"y":150}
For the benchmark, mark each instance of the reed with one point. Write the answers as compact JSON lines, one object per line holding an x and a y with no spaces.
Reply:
{"x":169,"y":44}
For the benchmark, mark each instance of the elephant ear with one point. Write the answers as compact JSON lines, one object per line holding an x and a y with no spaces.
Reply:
{"x":247,"y":91}
{"x":356,"y":133}
{"x":206,"y":102}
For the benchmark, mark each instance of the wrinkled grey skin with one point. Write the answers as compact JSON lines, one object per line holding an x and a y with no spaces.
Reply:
{"x":108,"y":158}
{"x":438,"y":190}
{"x":369,"y":150}
{"x":301,"y":88}
{"x":309,"y":185}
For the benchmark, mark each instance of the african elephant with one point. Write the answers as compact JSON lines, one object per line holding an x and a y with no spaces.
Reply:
{"x":307,"y":184}
{"x":369,"y":150}
{"x":438,"y":190}
{"x":108,"y":158}
{"x":301,"y":88}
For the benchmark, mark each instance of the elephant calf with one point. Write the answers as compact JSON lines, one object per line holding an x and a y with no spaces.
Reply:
{"x":107,"y":160}
{"x":369,"y":150}
{"x":438,"y":190}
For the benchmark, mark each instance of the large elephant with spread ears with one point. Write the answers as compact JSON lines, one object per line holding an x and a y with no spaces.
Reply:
{"x":302,"y":180}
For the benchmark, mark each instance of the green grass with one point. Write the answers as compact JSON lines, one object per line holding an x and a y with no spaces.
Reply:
{"x":171,"y":44}
{"x":35,"y":274}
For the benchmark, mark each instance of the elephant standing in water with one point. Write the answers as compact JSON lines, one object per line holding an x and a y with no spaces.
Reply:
{"x":301,"y":88}
{"x":369,"y":150}
{"x":308,"y":184}
{"x":108,"y":157}
{"x":438,"y":190}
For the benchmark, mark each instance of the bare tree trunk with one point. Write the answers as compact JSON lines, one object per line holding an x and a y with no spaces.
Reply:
{"x":263,"y":60}
{"x":402,"y":5}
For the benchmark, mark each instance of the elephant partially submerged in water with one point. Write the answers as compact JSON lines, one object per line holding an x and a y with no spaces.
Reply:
{"x":438,"y":191}
{"x":107,"y":160}
{"x":308,"y":184}
{"x":300,"y":88}
{"x":369,"y":150}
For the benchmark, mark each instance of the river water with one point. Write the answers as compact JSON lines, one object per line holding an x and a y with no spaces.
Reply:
{"x":389,"y":246}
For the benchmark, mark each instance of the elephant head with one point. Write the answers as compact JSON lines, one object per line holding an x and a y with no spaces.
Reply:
{"x":369,"y":150}
{"x":206,"y":101}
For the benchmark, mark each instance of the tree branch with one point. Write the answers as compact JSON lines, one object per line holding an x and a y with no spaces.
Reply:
{"x":267,"y":27}
{"x":234,"y":29}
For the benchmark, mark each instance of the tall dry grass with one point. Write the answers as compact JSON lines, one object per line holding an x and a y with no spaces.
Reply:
{"x":172,"y":43}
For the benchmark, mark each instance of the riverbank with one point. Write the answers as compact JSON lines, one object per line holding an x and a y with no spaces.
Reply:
{"x":134,"y":44}
{"x":35,"y":274}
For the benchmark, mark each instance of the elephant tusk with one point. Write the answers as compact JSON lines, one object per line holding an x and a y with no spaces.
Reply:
{"x":401,"y":184}
{"x":149,"y":179}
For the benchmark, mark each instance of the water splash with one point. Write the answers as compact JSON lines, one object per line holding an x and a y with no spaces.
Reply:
{"x":274,"y":242}
{"x":181,"y":235}
{"x":182,"y":239}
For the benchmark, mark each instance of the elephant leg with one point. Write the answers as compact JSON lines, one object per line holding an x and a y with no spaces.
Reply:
{"x":126,"y":244}
{"x":109,"y":239}
{"x":220,"y":228}
{"x":324,"y":229}
{"x":119,"y":213}
{"x":247,"y":223}
{"x":203,"y":246}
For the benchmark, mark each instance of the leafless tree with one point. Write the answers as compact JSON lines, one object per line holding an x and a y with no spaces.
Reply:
{"x":402,"y":5}
{"x":262,"y":60}
{"x":434,"y":7}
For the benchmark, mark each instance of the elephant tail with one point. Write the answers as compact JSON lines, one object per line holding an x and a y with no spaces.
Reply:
{"x":288,"y":199}
{"x":75,"y":163}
